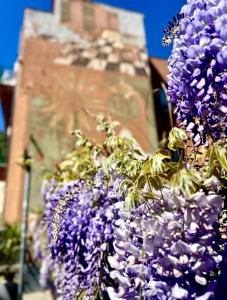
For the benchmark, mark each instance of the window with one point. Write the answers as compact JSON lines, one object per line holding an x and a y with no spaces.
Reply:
{"x":89,"y":17}
{"x":65,"y":11}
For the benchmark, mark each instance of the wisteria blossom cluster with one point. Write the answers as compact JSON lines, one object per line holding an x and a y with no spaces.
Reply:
{"x":172,"y":254}
{"x":198,"y":70}
{"x":80,"y":218}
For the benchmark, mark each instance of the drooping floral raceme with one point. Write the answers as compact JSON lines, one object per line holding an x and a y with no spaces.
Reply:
{"x":198,"y":70}
{"x":172,"y":254}
{"x":80,"y":218}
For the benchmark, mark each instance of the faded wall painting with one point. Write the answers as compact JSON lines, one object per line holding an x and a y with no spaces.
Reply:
{"x":82,"y":57}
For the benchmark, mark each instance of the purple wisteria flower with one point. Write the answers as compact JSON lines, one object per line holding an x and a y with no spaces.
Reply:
{"x":173,"y":253}
{"x":198,"y":70}
{"x":80,"y":230}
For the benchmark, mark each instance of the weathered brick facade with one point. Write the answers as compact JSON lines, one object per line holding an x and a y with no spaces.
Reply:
{"x":82,"y":57}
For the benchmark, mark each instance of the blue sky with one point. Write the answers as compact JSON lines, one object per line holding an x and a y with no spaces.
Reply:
{"x":11,"y":17}
{"x":157,"y":14}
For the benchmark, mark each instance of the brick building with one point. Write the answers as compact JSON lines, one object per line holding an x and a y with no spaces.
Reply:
{"x":82,"y":56}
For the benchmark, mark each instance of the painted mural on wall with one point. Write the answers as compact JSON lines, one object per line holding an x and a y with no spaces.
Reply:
{"x":107,"y":53}
{"x":67,"y":72}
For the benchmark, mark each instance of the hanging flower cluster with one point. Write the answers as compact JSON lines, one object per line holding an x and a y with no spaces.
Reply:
{"x":173,"y":253}
{"x":198,"y":70}
{"x":81,"y":218}
{"x":81,"y":202}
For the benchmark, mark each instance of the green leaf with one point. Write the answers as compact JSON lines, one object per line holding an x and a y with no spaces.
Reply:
{"x":157,"y":165}
{"x":221,"y":154}
{"x":149,"y":195}
{"x":146,"y":167}
{"x":173,"y":166}
{"x":186,"y":181}
{"x":141,"y":181}
{"x":164,"y":153}
{"x":155,"y":182}
{"x":177,"y":138}
{"x":132,"y":199}
{"x":124,"y":183}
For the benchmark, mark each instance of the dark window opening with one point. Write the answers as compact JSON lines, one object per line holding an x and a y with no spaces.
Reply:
{"x":162,"y":108}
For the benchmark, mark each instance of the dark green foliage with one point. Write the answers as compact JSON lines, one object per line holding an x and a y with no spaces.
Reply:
{"x":9,"y":244}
